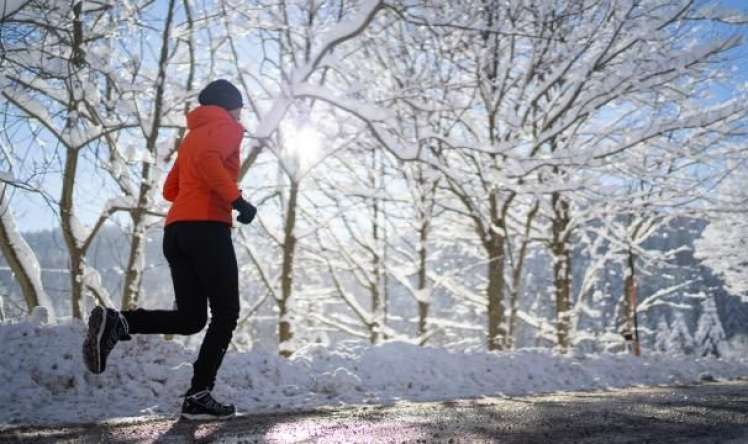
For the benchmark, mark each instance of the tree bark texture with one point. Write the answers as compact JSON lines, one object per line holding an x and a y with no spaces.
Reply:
{"x":495,"y":293}
{"x":289,"y":248}
{"x":561,"y":269}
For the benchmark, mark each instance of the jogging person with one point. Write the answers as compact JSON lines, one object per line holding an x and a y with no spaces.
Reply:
{"x":197,"y":244}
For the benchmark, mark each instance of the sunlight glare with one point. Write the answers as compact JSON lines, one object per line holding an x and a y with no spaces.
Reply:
{"x":303,"y":143}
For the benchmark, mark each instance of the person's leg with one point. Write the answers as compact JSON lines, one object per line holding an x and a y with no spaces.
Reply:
{"x":218,"y":273}
{"x":107,"y":326}
{"x":190,"y":315}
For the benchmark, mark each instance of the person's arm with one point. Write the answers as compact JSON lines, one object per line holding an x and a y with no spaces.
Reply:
{"x":171,"y":186}
{"x":225,"y":141}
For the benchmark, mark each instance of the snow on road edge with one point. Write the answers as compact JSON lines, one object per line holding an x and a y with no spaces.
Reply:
{"x":44,"y":380}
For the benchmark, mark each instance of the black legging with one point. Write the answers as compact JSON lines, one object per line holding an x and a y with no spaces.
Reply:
{"x":203,"y":269}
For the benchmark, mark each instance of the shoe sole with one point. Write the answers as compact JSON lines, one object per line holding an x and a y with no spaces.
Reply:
{"x":92,"y":343}
{"x":205,"y":416}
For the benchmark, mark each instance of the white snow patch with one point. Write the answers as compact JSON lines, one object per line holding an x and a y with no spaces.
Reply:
{"x":45,"y":381}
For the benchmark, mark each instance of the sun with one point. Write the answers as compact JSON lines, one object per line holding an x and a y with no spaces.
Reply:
{"x":302,"y":144}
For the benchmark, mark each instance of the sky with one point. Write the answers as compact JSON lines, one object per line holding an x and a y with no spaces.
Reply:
{"x":33,"y":213}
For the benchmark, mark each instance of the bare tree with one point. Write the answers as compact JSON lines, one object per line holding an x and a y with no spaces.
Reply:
{"x":299,"y":57}
{"x":543,"y":95}
{"x":19,"y":256}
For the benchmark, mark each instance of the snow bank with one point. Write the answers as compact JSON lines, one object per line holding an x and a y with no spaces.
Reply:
{"x":44,"y":380}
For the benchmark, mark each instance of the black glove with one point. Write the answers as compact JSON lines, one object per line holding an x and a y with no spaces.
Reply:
{"x":246,"y":210}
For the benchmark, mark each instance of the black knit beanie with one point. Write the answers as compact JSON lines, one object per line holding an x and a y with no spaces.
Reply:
{"x":221,"y":93}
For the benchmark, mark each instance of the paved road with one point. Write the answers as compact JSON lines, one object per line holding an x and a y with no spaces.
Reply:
{"x":712,"y":412}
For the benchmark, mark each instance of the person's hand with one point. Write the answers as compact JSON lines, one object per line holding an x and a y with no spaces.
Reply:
{"x":246,"y":210}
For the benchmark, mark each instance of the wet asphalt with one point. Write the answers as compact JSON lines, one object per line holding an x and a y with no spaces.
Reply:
{"x":707,"y":413}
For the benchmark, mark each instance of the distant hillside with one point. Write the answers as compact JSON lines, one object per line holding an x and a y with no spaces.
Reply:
{"x":110,"y":250}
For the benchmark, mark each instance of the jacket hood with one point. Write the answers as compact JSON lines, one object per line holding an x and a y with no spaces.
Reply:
{"x":206,"y":114}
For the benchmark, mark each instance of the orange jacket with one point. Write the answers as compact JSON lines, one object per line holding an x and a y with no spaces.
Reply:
{"x":202,"y":182}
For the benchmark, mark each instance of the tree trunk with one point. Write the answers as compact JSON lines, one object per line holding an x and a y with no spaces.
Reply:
{"x":375,"y":288}
{"x":423,"y":302}
{"x":69,"y":224}
{"x":514,"y":306}
{"x":289,"y":247}
{"x":627,"y":324}
{"x":561,"y":269}
{"x":376,"y":308}
{"x":136,"y":260}
{"x":21,"y":258}
{"x":68,"y":221}
{"x":496,"y":259}
{"x":284,"y":329}
{"x":76,"y":284}
{"x":77,"y":242}
{"x":78,"y":55}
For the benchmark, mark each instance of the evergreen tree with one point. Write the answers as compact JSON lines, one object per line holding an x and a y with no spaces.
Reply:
{"x":662,"y":335}
{"x":710,"y":336}
{"x":680,"y":340}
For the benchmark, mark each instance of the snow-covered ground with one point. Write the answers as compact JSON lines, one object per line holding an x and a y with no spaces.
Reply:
{"x":43,"y":379}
